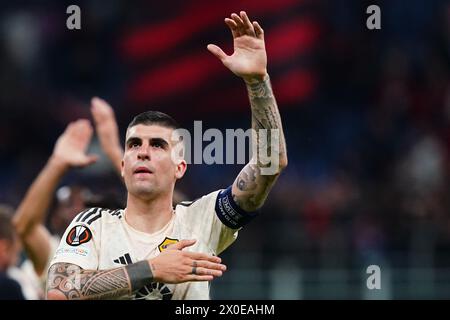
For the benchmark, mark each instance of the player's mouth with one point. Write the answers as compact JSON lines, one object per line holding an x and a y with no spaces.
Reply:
{"x":142,"y":171}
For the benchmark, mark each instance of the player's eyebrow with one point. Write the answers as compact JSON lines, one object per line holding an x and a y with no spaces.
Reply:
{"x":131,"y":140}
{"x":161,"y":141}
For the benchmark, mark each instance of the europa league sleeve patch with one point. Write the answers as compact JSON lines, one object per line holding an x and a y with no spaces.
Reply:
{"x":78,"y":235}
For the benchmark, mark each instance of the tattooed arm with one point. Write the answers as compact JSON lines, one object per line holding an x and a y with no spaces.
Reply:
{"x":254,"y":182}
{"x":68,"y":281}
{"x":249,"y":61}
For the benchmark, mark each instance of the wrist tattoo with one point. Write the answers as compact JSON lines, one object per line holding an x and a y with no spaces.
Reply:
{"x":259,"y":89}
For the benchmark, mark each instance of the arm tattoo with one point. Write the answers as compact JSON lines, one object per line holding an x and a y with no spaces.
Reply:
{"x":265,"y":113}
{"x":252,"y":187}
{"x":257,"y":89}
{"x":76,"y":283}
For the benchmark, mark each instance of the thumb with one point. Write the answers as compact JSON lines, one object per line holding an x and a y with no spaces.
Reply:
{"x":215,"y":50}
{"x":180,"y":245}
{"x":90,"y":159}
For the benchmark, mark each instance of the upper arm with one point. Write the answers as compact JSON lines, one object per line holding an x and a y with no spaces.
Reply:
{"x":81,"y":241}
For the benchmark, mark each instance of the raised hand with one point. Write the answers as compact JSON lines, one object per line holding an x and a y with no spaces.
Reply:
{"x":71,"y":146}
{"x":249,"y":59}
{"x":107,"y":130}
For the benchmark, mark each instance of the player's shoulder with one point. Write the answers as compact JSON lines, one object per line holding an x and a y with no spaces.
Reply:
{"x":202,"y":200}
{"x":93,"y":216}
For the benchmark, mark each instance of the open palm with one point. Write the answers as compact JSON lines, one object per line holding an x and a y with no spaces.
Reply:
{"x":249,"y":58}
{"x":72,"y":144}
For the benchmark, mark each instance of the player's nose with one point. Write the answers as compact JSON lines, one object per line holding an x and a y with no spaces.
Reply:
{"x":144,"y":152}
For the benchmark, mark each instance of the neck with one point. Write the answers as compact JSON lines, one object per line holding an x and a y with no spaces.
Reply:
{"x":149,"y":215}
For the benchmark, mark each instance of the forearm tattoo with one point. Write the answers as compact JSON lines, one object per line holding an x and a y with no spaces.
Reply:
{"x":253,"y":187}
{"x":77,"y":283}
{"x":265,"y":114}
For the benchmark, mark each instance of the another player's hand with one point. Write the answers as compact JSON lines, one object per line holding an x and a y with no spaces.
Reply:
{"x":107,"y":129}
{"x":249,"y":59}
{"x":70,"y":148}
{"x":175,"y":266}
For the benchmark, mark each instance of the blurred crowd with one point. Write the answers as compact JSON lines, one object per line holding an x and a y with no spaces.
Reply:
{"x":366,"y":115}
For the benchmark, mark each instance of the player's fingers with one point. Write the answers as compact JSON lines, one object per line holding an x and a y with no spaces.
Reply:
{"x":258,"y":30}
{"x":85,"y":130}
{"x":210,"y":265}
{"x":82,"y":122}
{"x":203,"y":256}
{"x":215,"y":50}
{"x":82,"y":126}
{"x":233,"y":27}
{"x":95,"y":109}
{"x":192,"y":277}
{"x":82,"y":130}
{"x":180,"y":245}
{"x":207,"y":272}
{"x":239,"y":23}
{"x":70,"y":127}
{"x":100,"y":106}
{"x":248,"y":26}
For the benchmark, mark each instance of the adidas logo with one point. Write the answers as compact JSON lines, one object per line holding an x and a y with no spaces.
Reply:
{"x":125,"y":259}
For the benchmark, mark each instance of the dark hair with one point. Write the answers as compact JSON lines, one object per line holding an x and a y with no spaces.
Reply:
{"x":154,"y":117}
{"x":6,"y":227}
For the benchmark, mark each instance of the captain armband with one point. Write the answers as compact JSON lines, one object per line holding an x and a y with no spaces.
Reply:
{"x":230,"y":213}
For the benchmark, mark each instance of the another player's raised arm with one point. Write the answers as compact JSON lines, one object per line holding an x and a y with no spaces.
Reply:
{"x":69,"y":151}
{"x":107,"y":131}
{"x":249,"y":61}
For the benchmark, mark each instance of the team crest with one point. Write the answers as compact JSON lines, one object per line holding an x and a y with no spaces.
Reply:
{"x":78,"y":235}
{"x":166,"y":242}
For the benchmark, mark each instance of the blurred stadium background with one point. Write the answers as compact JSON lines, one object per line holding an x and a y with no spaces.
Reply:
{"x":366,"y":115}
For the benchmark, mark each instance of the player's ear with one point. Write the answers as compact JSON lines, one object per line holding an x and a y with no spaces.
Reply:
{"x":121,"y":168}
{"x":180,"y":169}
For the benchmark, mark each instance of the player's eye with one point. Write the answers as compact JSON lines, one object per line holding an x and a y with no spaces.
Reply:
{"x":157,"y":145}
{"x":133,"y":145}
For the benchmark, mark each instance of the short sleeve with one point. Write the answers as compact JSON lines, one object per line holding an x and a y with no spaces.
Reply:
{"x":80,"y":241}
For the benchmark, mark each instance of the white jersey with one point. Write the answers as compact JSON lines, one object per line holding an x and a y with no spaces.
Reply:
{"x":99,"y":239}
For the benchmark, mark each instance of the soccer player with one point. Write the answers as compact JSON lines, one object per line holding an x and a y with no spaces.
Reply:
{"x":69,"y":152}
{"x":108,"y":254}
